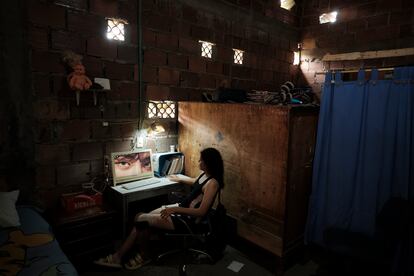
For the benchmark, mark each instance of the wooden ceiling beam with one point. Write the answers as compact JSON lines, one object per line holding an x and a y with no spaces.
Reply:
{"x":369,"y":54}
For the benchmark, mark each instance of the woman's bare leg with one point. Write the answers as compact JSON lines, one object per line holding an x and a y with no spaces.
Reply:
{"x":154,"y":220}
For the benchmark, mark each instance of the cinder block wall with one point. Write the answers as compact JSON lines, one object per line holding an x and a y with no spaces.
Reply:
{"x":361,"y":26}
{"x":70,"y":140}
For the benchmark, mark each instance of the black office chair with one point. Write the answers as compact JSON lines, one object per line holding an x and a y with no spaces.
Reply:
{"x":193,"y":242}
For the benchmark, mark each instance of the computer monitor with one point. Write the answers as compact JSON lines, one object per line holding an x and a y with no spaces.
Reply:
{"x":131,"y":165}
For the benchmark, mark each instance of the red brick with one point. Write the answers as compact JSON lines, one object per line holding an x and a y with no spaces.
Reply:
{"x":202,"y":33}
{"x":132,"y":34}
{"x":87,"y":151}
{"x":123,"y":110}
{"x":214,"y":67}
{"x":65,"y":40}
{"x":76,"y":130}
{"x":73,"y":4}
{"x":366,"y":10}
{"x":195,"y":95}
{"x":38,"y":38}
{"x":250,"y":60}
{"x":149,"y":74}
{"x":99,"y":131}
{"x":207,"y":81}
{"x":128,"y":53}
{"x":41,"y":85}
{"x":155,"y":57}
{"x":149,"y":37}
{"x":387,"y":6}
{"x":45,"y":177}
{"x":357,"y":25}
{"x":116,"y":146}
{"x":197,"y":64}
{"x":128,"y":10}
{"x":157,"y":93}
{"x":52,"y":154}
{"x":47,"y":62}
{"x":155,"y":22}
{"x":60,"y":87}
{"x":167,"y":41}
{"x":267,"y":75}
{"x":99,"y":47}
{"x":93,"y":66}
{"x":243,"y":72}
{"x":86,"y":24}
{"x":181,"y":94}
{"x":104,"y":7}
{"x":128,"y":91}
{"x":127,"y":130}
{"x":119,"y":71}
{"x":189,"y":79}
{"x":72,"y":174}
{"x":168,"y":76}
{"x":177,"y":61}
{"x":402,"y":17}
{"x":190,"y":14}
{"x":181,"y":28}
{"x":43,"y":132}
{"x":224,"y":54}
{"x":97,"y":167}
{"x":51,"y":110}
{"x":189,"y":46}
{"x":46,"y":15}
{"x":377,"y":20}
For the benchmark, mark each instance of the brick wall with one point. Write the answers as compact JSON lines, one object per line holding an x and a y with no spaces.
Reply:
{"x":361,"y":26}
{"x":174,"y":68}
{"x":71,"y":141}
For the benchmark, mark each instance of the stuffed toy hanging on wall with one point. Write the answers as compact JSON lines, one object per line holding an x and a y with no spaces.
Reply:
{"x":77,"y":80}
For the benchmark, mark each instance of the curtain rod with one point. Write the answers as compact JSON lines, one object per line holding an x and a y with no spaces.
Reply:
{"x":355,"y":70}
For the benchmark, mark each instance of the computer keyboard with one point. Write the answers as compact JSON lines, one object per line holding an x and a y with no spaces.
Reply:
{"x":140,"y":183}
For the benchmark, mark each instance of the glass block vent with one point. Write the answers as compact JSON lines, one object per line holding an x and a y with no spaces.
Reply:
{"x":238,"y":56}
{"x":162,"y":109}
{"x":206,"y":49}
{"x":116,"y":29}
{"x":287,"y":4}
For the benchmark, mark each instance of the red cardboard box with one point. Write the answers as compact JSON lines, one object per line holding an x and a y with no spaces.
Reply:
{"x":77,"y":201}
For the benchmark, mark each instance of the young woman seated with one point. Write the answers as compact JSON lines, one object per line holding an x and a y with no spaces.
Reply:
{"x":192,"y":210}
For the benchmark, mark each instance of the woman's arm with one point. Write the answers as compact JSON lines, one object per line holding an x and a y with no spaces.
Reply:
{"x":182,"y":179}
{"x":209,"y":193}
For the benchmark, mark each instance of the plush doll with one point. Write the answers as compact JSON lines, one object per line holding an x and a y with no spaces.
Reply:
{"x":77,"y":80}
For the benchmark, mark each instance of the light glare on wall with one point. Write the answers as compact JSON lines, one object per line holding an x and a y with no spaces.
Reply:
{"x":328,"y":17}
{"x":116,"y":29}
{"x":296,"y":58}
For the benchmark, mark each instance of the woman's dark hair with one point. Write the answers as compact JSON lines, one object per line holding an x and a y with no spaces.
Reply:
{"x":214,"y":164}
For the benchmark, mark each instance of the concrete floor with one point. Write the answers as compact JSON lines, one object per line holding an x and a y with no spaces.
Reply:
{"x":232,"y":258}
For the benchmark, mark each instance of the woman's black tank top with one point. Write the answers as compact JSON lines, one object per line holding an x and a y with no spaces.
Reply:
{"x":195,"y":192}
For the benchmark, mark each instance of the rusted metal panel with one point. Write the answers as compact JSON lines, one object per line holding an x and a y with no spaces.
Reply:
{"x":254,"y":143}
{"x":303,"y":127}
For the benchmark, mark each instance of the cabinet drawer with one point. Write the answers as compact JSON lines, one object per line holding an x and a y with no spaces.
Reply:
{"x":85,"y":228}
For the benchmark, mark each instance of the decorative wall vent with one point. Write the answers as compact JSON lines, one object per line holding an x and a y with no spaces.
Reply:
{"x":162,"y":109}
{"x":206,"y":49}
{"x":238,"y":56}
{"x":116,"y":29}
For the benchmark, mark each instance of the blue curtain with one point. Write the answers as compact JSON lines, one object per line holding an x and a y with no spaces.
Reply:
{"x":364,"y":152}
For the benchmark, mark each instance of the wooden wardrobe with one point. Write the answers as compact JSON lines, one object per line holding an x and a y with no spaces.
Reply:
{"x":268,"y":152}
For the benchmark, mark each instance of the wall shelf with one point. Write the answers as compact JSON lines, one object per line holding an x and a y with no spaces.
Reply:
{"x":95,"y":94}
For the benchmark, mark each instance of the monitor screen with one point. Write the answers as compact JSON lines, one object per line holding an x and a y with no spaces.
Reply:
{"x":131,"y":165}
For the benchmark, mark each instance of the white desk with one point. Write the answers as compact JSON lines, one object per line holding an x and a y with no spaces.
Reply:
{"x":121,"y":198}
